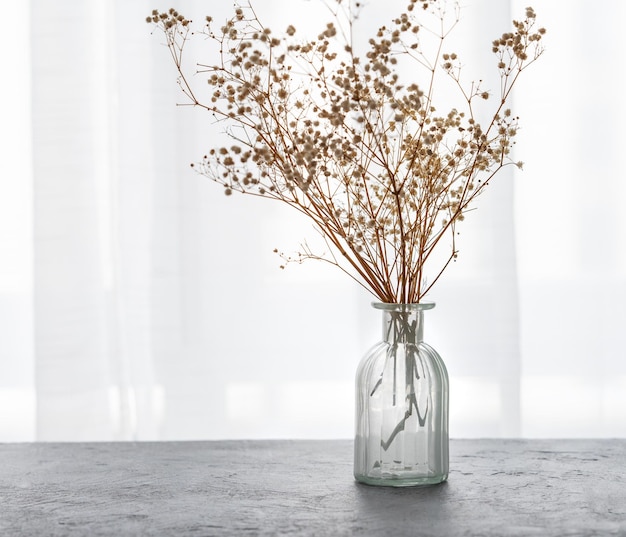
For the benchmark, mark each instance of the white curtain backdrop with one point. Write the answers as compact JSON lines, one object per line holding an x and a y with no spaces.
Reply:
{"x":137,"y":302}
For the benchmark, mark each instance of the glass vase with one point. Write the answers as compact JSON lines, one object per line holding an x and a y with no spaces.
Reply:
{"x":401,"y":405}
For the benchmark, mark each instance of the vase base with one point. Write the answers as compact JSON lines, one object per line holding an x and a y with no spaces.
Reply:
{"x":398,"y":481}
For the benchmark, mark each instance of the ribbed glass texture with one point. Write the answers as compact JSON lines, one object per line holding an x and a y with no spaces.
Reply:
{"x":401,"y":405}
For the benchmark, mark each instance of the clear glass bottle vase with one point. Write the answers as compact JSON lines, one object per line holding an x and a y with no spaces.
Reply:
{"x":401,"y":405}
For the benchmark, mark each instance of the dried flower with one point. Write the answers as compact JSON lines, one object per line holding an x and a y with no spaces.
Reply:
{"x":342,"y":138}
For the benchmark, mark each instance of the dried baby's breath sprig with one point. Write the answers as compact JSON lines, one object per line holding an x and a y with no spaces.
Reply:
{"x":349,"y":139}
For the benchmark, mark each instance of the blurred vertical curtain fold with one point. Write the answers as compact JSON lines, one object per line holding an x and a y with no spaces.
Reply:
{"x":154,"y":307}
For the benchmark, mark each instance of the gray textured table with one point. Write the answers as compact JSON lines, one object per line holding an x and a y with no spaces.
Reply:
{"x":496,"y":487}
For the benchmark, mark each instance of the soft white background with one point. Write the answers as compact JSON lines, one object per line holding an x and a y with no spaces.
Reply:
{"x":137,"y":302}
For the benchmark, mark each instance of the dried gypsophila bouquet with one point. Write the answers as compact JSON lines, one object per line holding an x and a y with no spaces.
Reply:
{"x":345,"y":140}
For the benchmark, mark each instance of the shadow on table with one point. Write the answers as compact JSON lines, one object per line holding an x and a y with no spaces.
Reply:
{"x":390,"y":507}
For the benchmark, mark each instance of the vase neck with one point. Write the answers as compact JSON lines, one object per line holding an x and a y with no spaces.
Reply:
{"x":403,"y":323}
{"x":405,"y":327}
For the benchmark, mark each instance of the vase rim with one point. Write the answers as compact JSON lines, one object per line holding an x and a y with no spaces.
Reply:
{"x":393,"y":306}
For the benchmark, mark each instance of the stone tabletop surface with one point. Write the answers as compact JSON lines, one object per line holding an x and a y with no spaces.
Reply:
{"x":280,"y":487}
